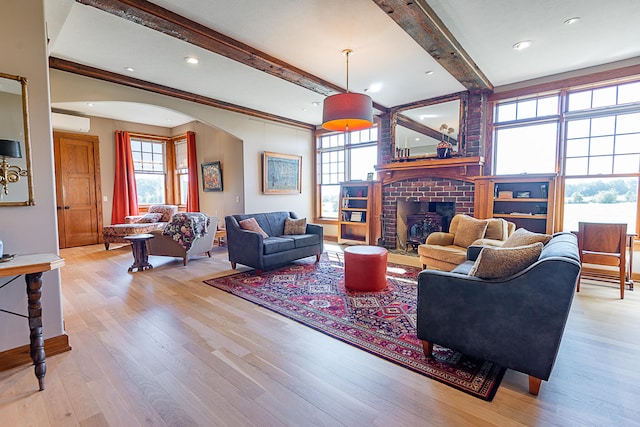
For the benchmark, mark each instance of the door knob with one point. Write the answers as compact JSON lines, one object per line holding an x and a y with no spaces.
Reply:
{"x":67,"y":207}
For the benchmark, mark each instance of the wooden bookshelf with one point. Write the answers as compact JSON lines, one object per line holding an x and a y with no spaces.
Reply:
{"x":359,"y":212}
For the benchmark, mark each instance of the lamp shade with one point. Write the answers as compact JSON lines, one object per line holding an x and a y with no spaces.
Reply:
{"x":352,"y":111}
{"x":10,"y":148}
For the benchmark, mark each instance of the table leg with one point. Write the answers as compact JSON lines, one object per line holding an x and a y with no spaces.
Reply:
{"x":34,"y":295}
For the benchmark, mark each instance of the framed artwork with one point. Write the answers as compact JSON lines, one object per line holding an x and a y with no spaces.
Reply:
{"x":211,"y":176}
{"x":281,"y":173}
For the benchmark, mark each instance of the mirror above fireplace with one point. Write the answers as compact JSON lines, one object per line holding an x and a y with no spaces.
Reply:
{"x":418,"y":128}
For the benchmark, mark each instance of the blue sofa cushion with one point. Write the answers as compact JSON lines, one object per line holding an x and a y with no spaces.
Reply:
{"x":302,"y":240}
{"x":274,"y":245}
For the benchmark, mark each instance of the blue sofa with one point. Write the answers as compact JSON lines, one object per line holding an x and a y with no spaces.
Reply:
{"x":252,"y":249}
{"x":516,"y":322}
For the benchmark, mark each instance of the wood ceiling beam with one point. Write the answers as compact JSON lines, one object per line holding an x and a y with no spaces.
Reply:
{"x":84,"y":70}
{"x":420,"y":21}
{"x":157,"y":18}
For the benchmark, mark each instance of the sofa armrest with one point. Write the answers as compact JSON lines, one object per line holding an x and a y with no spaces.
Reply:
{"x":473,"y":252}
{"x":440,"y":238}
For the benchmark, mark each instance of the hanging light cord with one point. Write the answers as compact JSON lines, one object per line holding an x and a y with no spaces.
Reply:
{"x":346,"y":53}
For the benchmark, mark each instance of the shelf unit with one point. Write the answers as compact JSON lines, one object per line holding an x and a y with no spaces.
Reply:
{"x":359,"y":212}
{"x":526,"y":200}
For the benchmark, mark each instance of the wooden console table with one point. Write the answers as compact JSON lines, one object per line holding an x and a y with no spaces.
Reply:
{"x":32,"y":266}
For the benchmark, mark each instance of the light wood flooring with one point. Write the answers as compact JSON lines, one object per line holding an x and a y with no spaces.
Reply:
{"x":161,"y":348}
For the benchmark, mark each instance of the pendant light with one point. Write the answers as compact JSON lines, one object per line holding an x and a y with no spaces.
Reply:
{"x":347,"y":111}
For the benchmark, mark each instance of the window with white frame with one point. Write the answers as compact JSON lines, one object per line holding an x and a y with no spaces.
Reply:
{"x":526,"y":135}
{"x":182,"y":170}
{"x":596,"y":135}
{"x":149,"y":163}
{"x":343,"y":157}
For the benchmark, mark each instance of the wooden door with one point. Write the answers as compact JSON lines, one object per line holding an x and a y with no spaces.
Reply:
{"x":78,"y":190}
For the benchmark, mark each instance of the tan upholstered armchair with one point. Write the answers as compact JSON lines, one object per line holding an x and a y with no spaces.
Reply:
{"x":186,"y":234}
{"x":445,"y":251}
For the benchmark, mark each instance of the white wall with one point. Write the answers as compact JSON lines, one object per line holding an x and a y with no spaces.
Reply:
{"x":256,"y":136}
{"x":30,"y":229}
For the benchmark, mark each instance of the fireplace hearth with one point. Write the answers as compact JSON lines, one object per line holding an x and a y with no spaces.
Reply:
{"x":416,"y":220}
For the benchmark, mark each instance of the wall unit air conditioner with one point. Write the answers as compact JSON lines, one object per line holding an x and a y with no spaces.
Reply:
{"x":67,"y":122}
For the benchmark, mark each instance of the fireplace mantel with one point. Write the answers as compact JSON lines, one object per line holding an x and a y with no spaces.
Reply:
{"x":460,"y":168}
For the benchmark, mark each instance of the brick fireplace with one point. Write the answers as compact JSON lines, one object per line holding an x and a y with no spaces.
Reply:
{"x":457,"y":193}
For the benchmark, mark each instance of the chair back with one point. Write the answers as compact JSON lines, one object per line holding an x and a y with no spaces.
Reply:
{"x":602,"y":243}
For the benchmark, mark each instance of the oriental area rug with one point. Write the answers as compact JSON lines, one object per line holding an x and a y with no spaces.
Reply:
{"x":382,"y":323}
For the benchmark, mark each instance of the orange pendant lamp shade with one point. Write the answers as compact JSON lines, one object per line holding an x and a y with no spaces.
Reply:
{"x":352,"y":111}
{"x":347,"y":111}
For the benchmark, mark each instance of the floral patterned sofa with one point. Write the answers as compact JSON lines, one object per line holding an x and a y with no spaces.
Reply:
{"x":156,"y":218}
{"x":187,"y":233}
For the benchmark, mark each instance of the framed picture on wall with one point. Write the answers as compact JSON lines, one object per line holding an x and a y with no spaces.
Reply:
{"x":211,"y":176}
{"x":281,"y":173}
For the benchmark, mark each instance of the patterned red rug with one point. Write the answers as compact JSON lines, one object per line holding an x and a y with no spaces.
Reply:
{"x":382,"y":323}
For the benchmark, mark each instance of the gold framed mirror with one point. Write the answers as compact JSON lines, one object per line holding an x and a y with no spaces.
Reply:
{"x":419,"y":127}
{"x":16,"y":183}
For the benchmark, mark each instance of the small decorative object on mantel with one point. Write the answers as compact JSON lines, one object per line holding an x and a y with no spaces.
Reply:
{"x":444,"y":147}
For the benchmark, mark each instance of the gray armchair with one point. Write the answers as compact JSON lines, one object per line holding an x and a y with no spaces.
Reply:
{"x":516,"y":322}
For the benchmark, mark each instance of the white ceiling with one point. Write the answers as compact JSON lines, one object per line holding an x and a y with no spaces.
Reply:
{"x":310,"y":35}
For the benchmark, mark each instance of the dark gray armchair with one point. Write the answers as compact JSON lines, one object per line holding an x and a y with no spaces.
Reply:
{"x":516,"y":322}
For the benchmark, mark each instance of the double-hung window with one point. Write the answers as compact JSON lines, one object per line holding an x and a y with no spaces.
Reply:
{"x":149,"y":163}
{"x":182,"y":171}
{"x":342,"y":157}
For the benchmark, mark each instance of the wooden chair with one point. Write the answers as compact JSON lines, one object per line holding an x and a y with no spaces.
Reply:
{"x":604,"y":244}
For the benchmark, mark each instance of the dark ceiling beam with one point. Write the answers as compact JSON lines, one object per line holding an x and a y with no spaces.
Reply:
{"x":420,"y":21}
{"x":84,"y":70}
{"x":157,"y":18}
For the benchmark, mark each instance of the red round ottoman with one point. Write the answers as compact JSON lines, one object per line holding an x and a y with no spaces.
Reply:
{"x":365,"y":268}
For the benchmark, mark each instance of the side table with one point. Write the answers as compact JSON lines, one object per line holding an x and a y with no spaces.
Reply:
{"x":139,"y":249}
{"x":32,"y":266}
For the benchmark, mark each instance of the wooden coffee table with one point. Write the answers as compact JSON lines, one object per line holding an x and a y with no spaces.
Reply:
{"x":139,"y":249}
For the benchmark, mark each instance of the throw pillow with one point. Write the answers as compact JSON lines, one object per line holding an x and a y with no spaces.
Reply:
{"x":496,"y":262}
{"x":469,"y":230}
{"x":522,"y":237}
{"x":251,"y":224}
{"x":496,"y":229}
{"x":295,"y":226}
{"x":150,"y":217}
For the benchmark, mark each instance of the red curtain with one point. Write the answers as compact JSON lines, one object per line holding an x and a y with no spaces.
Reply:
{"x":193,"y":197}
{"x":125,"y":194}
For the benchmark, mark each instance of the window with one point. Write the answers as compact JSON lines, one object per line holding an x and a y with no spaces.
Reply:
{"x":343,"y":157}
{"x":525,"y":135}
{"x":161,"y":168}
{"x":602,"y":161}
{"x":598,"y":135}
{"x":182,"y":171}
{"x":149,"y":162}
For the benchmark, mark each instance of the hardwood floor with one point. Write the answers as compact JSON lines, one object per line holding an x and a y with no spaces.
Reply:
{"x":160,"y":348}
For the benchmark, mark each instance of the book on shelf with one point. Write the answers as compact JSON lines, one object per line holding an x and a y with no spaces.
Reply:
{"x":356,"y":216}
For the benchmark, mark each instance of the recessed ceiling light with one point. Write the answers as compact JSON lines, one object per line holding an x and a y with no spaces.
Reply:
{"x":191,"y":60}
{"x":428,"y":73}
{"x":130,"y":69}
{"x":90,"y":104}
{"x":572,"y":20}
{"x":316,"y":104}
{"x":522,"y":45}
